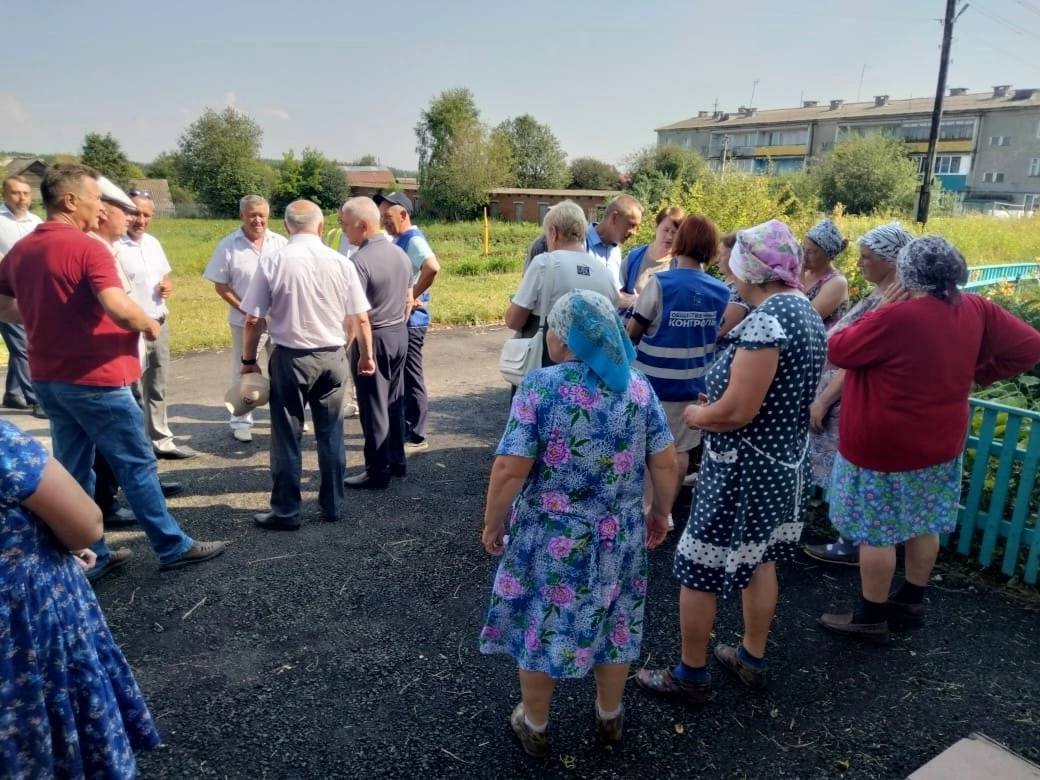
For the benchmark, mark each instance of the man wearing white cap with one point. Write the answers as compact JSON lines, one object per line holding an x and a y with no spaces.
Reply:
{"x":84,"y":361}
{"x":231,"y":270}
{"x":309,"y":294}
{"x":144,"y":262}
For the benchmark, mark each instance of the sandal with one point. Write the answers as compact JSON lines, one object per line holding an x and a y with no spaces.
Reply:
{"x":661,"y":682}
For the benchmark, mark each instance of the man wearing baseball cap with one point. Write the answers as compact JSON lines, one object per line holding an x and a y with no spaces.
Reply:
{"x":395,"y":212}
{"x":84,"y":362}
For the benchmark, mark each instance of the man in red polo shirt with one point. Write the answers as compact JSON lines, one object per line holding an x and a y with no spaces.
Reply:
{"x":83,"y":356}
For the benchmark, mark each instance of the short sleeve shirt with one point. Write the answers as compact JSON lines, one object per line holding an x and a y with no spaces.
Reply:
{"x":386,"y":277}
{"x":56,"y":274}
{"x":418,"y":250}
{"x":306,"y":290}
{"x":234,"y":262}
{"x":572,"y":266}
{"x":145,"y":264}
{"x":14,"y":228}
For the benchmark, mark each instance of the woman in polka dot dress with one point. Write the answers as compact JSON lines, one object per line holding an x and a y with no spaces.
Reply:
{"x":749,"y":501}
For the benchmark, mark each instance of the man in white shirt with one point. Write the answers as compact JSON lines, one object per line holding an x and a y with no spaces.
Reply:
{"x":231,"y":270}
{"x":148,"y":270}
{"x":310,"y":296}
{"x":16,"y":221}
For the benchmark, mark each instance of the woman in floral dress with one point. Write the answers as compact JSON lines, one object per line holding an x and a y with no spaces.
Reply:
{"x":69,"y":706}
{"x":569,"y":591}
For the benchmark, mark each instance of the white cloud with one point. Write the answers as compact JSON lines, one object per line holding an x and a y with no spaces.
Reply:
{"x":277,"y":113}
{"x":12,"y":112}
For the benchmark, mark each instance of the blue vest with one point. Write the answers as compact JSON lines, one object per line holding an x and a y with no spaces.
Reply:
{"x":676,"y":358}
{"x":419,"y":318}
{"x":635,"y":263}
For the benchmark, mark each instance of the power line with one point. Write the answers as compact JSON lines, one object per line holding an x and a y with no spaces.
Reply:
{"x":1012,"y":26}
{"x":1029,"y":6}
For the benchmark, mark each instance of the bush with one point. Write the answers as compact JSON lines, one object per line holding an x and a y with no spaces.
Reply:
{"x":867,"y":174}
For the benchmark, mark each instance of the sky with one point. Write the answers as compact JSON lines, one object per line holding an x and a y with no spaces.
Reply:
{"x":350,"y":79}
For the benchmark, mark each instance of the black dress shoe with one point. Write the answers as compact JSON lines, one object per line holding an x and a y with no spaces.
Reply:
{"x":38,"y":413}
{"x":364,"y":482}
{"x":272,"y":522}
{"x":840,"y":552}
{"x":399,"y":471}
{"x":177,"y":453}
{"x":120,"y":518}
{"x":171,"y":489}
{"x":10,"y":402}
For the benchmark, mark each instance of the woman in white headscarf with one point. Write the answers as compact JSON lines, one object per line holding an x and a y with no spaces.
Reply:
{"x":825,"y":286}
{"x":878,"y":250}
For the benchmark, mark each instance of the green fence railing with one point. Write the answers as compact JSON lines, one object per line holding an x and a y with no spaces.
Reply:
{"x":1001,"y":508}
{"x":984,"y":275}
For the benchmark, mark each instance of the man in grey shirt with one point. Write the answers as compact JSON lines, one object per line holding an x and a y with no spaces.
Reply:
{"x":386,"y":276}
{"x":309,"y":295}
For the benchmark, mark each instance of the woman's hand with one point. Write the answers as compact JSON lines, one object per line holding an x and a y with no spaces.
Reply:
{"x":817,"y":414}
{"x":690,"y":416}
{"x":493,"y":539}
{"x":656,"y":528}
{"x":85,"y":558}
{"x":895,"y":292}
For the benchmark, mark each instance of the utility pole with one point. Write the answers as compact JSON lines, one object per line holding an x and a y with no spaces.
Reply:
{"x":925,"y":197}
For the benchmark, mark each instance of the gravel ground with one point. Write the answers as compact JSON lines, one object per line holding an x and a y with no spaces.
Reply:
{"x":349,"y":649}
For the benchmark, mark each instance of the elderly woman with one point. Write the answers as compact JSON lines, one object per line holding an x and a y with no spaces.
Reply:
{"x":824,"y":284}
{"x":649,"y":259}
{"x":675,"y":326}
{"x":748,"y":504}
{"x":909,"y":368}
{"x":567,"y":486}
{"x":737,"y":308}
{"x":566,"y":266}
{"x":878,"y":250}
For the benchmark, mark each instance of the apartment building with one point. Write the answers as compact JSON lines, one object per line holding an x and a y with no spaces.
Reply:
{"x":988,"y":150}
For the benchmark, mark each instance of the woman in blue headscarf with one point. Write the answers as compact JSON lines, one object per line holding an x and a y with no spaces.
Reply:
{"x":567,"y":488}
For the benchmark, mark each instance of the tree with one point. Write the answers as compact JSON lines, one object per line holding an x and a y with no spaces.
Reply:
{"x":588,"y":173}
{"x":313,"y":177}
{"x":538,"y":159}
{"x":166,"y":165}
{"x":103,"y":153}
{"x":459,"y":160}
{"x":867,"y":174}
{"x":219,"y":159}
{"x":655,"y":169}
{"x":366,"y":159}
{"x":458,"y":186}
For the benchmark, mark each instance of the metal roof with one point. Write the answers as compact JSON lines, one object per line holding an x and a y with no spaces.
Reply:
{"x":969,"y":103}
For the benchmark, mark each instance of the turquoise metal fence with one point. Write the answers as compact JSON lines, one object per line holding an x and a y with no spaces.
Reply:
{"x":983,"y":275}
{"x":1002,"y":452}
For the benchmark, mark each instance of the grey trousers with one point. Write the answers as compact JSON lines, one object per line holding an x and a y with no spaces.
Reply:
{"x":313,"y":378}
{"x":151,"y":390}
{"x":19,"y":385}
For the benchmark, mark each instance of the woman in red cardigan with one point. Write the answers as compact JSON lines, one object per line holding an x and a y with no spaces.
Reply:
{"x":910,"y":367}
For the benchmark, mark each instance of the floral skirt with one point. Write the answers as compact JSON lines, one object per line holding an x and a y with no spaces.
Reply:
{"x":569,"y":592}
{"x":882,"y":508}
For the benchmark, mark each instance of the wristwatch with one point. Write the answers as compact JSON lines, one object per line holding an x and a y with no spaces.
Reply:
{"x":248,"y":362}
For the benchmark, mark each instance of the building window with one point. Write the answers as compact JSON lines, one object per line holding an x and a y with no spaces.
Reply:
{"x":944,"y":164}
{"x":1031,"y":202}
{"x":953,"y":130}
{"x":518,"y":210}
{"x":990,"y":177}
{"x":1000,"y":140}
{"x":1034,"y":166}
{"x":543,"y":208}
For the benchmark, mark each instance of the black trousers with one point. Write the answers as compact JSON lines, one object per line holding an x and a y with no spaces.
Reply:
{"x":313,"y":378}
{"x":415,"y":400}
{"x":381,"y":401}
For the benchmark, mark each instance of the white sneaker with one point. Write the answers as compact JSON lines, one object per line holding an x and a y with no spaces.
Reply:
{"x":242,"y":434}
{"x":350,"y":410}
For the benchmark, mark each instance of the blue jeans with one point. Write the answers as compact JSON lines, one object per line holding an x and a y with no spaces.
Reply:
{"x":83,"y":418}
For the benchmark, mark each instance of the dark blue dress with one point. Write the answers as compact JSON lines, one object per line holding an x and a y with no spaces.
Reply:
{"x":69,"y":705}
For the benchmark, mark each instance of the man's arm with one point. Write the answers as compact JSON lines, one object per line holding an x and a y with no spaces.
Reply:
{"x":255,"y":326}
{"x":225,"y":292}
{"x":427,"y":273}
{"x":165,"y":286}
{"x":360,"y":326}
{"x":127,"y":314}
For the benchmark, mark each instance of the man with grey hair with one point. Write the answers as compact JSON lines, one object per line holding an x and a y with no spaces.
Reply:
{"x":231,"y":270}
{"x":603,"y":239}
{"x":386,"y":275}
{"x":16,"y":221}
{"x":310,"y":296}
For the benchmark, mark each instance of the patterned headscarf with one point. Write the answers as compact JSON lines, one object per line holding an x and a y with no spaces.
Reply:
{"x":886,"y":240}
{"x":767,"y":253}
{"x":826,"y":236}
{"x":591,"y":328}
{"x":933,"y":265}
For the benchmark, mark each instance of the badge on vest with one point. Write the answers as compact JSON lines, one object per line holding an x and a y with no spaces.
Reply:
{"x":584,"y":270}
{"x":691,"y":319}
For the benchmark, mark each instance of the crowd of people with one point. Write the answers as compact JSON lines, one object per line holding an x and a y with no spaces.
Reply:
{"x":752,"y":384}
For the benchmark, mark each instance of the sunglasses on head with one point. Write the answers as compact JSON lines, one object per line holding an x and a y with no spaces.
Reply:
{"x":136,"y":193}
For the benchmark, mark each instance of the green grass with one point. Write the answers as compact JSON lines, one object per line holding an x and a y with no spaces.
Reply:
{"x":474,"y":290}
